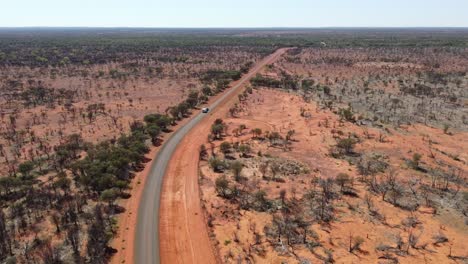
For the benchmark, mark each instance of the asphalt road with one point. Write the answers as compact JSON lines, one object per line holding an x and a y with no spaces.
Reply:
{"x":147,"y":233}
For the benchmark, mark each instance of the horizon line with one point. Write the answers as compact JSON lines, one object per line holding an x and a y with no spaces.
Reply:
{"x":228,"y":27}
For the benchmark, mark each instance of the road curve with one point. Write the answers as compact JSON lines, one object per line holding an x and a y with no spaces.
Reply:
{"x":147,"y":246}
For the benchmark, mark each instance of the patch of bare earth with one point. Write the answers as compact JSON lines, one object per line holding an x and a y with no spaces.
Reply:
{"x":183,"y":233}
{"x":363,"y":227}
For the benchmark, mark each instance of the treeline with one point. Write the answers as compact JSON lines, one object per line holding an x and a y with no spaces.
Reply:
{"x":286,"y":82}
{"x":77,"y":46}
{"x":83,"y":181}
{"x":74,"y":187}
{"x":60,"y":51}
{"x":216,"y":75}
{"x":215,"y":81}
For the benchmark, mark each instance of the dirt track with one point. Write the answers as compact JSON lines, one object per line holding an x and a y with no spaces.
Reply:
{"x":182,"y":236}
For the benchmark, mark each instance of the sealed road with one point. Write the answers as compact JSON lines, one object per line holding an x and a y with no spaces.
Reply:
{"x":147,"y":232}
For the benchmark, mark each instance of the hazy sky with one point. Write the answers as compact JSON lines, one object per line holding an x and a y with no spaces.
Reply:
{"x":234,"y":13}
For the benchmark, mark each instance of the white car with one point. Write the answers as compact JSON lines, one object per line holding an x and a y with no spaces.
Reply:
{"x":205,"y":110}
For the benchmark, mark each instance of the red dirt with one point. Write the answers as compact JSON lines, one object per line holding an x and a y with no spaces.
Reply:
{"x":124,"y":240}
{"x":183,"y":232}
{"x":273,"y":110}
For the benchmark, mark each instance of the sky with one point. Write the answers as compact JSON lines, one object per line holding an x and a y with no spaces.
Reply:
{"x":234,"y":13}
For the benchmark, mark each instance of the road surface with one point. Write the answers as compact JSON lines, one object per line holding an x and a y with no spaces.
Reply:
{"x":147,"y":246}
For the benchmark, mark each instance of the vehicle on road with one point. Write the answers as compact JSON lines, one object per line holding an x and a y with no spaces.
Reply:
{"x":148,"y":225}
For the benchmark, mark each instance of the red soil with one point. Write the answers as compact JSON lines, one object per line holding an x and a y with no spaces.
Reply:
{"x":278,"y":111}
{"x":183,"y":233}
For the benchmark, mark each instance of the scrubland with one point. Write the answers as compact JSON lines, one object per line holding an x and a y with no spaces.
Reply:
{"x":343,"y":155}
{"x":350,"y":149}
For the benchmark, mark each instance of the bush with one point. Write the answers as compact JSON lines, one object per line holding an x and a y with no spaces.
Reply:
{"x":342,"y":180}
{"x":203,"y":152}
{"x":26,"y":167}
{"x":440,"y":238}
{"x":162,"y":121}
{"x":207,"y":91}
{"x":414,"y":162}
{"x":346,"y":114}
{"x":222,"y":186}
{"x":218,"y":165}
{"x":261,"y":202}
{"x":217,"y":128}
{"x":260,"y":80}
{"x":356,"y":243}
{"x":244,"y":150}
{"x":225,"y":147}
{"x":154,"y":131}
{"x":346,"y":145}
{"x":371,"y":164}
{"x":236,"y":168}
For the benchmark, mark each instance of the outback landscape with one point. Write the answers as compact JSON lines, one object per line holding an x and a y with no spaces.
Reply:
{"x":326,"y":146}
{"x":346,"y":155}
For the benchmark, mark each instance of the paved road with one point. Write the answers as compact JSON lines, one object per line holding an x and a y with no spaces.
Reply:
{"x":147,"y":233}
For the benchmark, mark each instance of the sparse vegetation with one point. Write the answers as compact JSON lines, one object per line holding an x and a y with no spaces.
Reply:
{"x":381,"y":160}
{"x":347,"y":149}
{"x":79,"y":113}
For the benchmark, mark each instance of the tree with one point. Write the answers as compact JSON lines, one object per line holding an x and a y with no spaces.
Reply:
{"x":346,"y":114}
{"x":290,"y":134}
{"x":347,"y":145}
{"x":342,"y":179}
{"x":217,"y":165}
{"x":275,"y":168}
{"x":273,"y":137}
{"x":56,"y":220}
{"x":154,"y":131}
{"x":225,"y":147}
{"x":256,"y":132}
{"x":301,"y":223}
{"x":50,"y":254}
{"x":26,"y":167}
{"x":183,"y":108}
{"x":175,"y":112}
{"x":5,"y":240}
{"x":203,"y":152}
{"x":73,"y":237}
{"x":109,"y":196}
{"x":414,"y":162}
{"x":396,"y":192}
{"x":283,"y":196}
{"x":236,"y":168}
{"x":371,"y":164}
{"x":9,"y":184}
{"x":446,"y":128}
{"x":62,"y":182}
{"x":242,"y":127}
{"x":97,"y":238}
{"x":217,"y":128}
{"x":222,"y":185}
{"x":192,"y":99}
{"x":244,"y":150}
{"x":355,"y":242}
{"x":263,"y":167}
{"x":137,"y":126}
{"x":159,"y":120}
{"x":388,"y":183}
{"x":262,"y":203}
{"x":206,"y":90}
